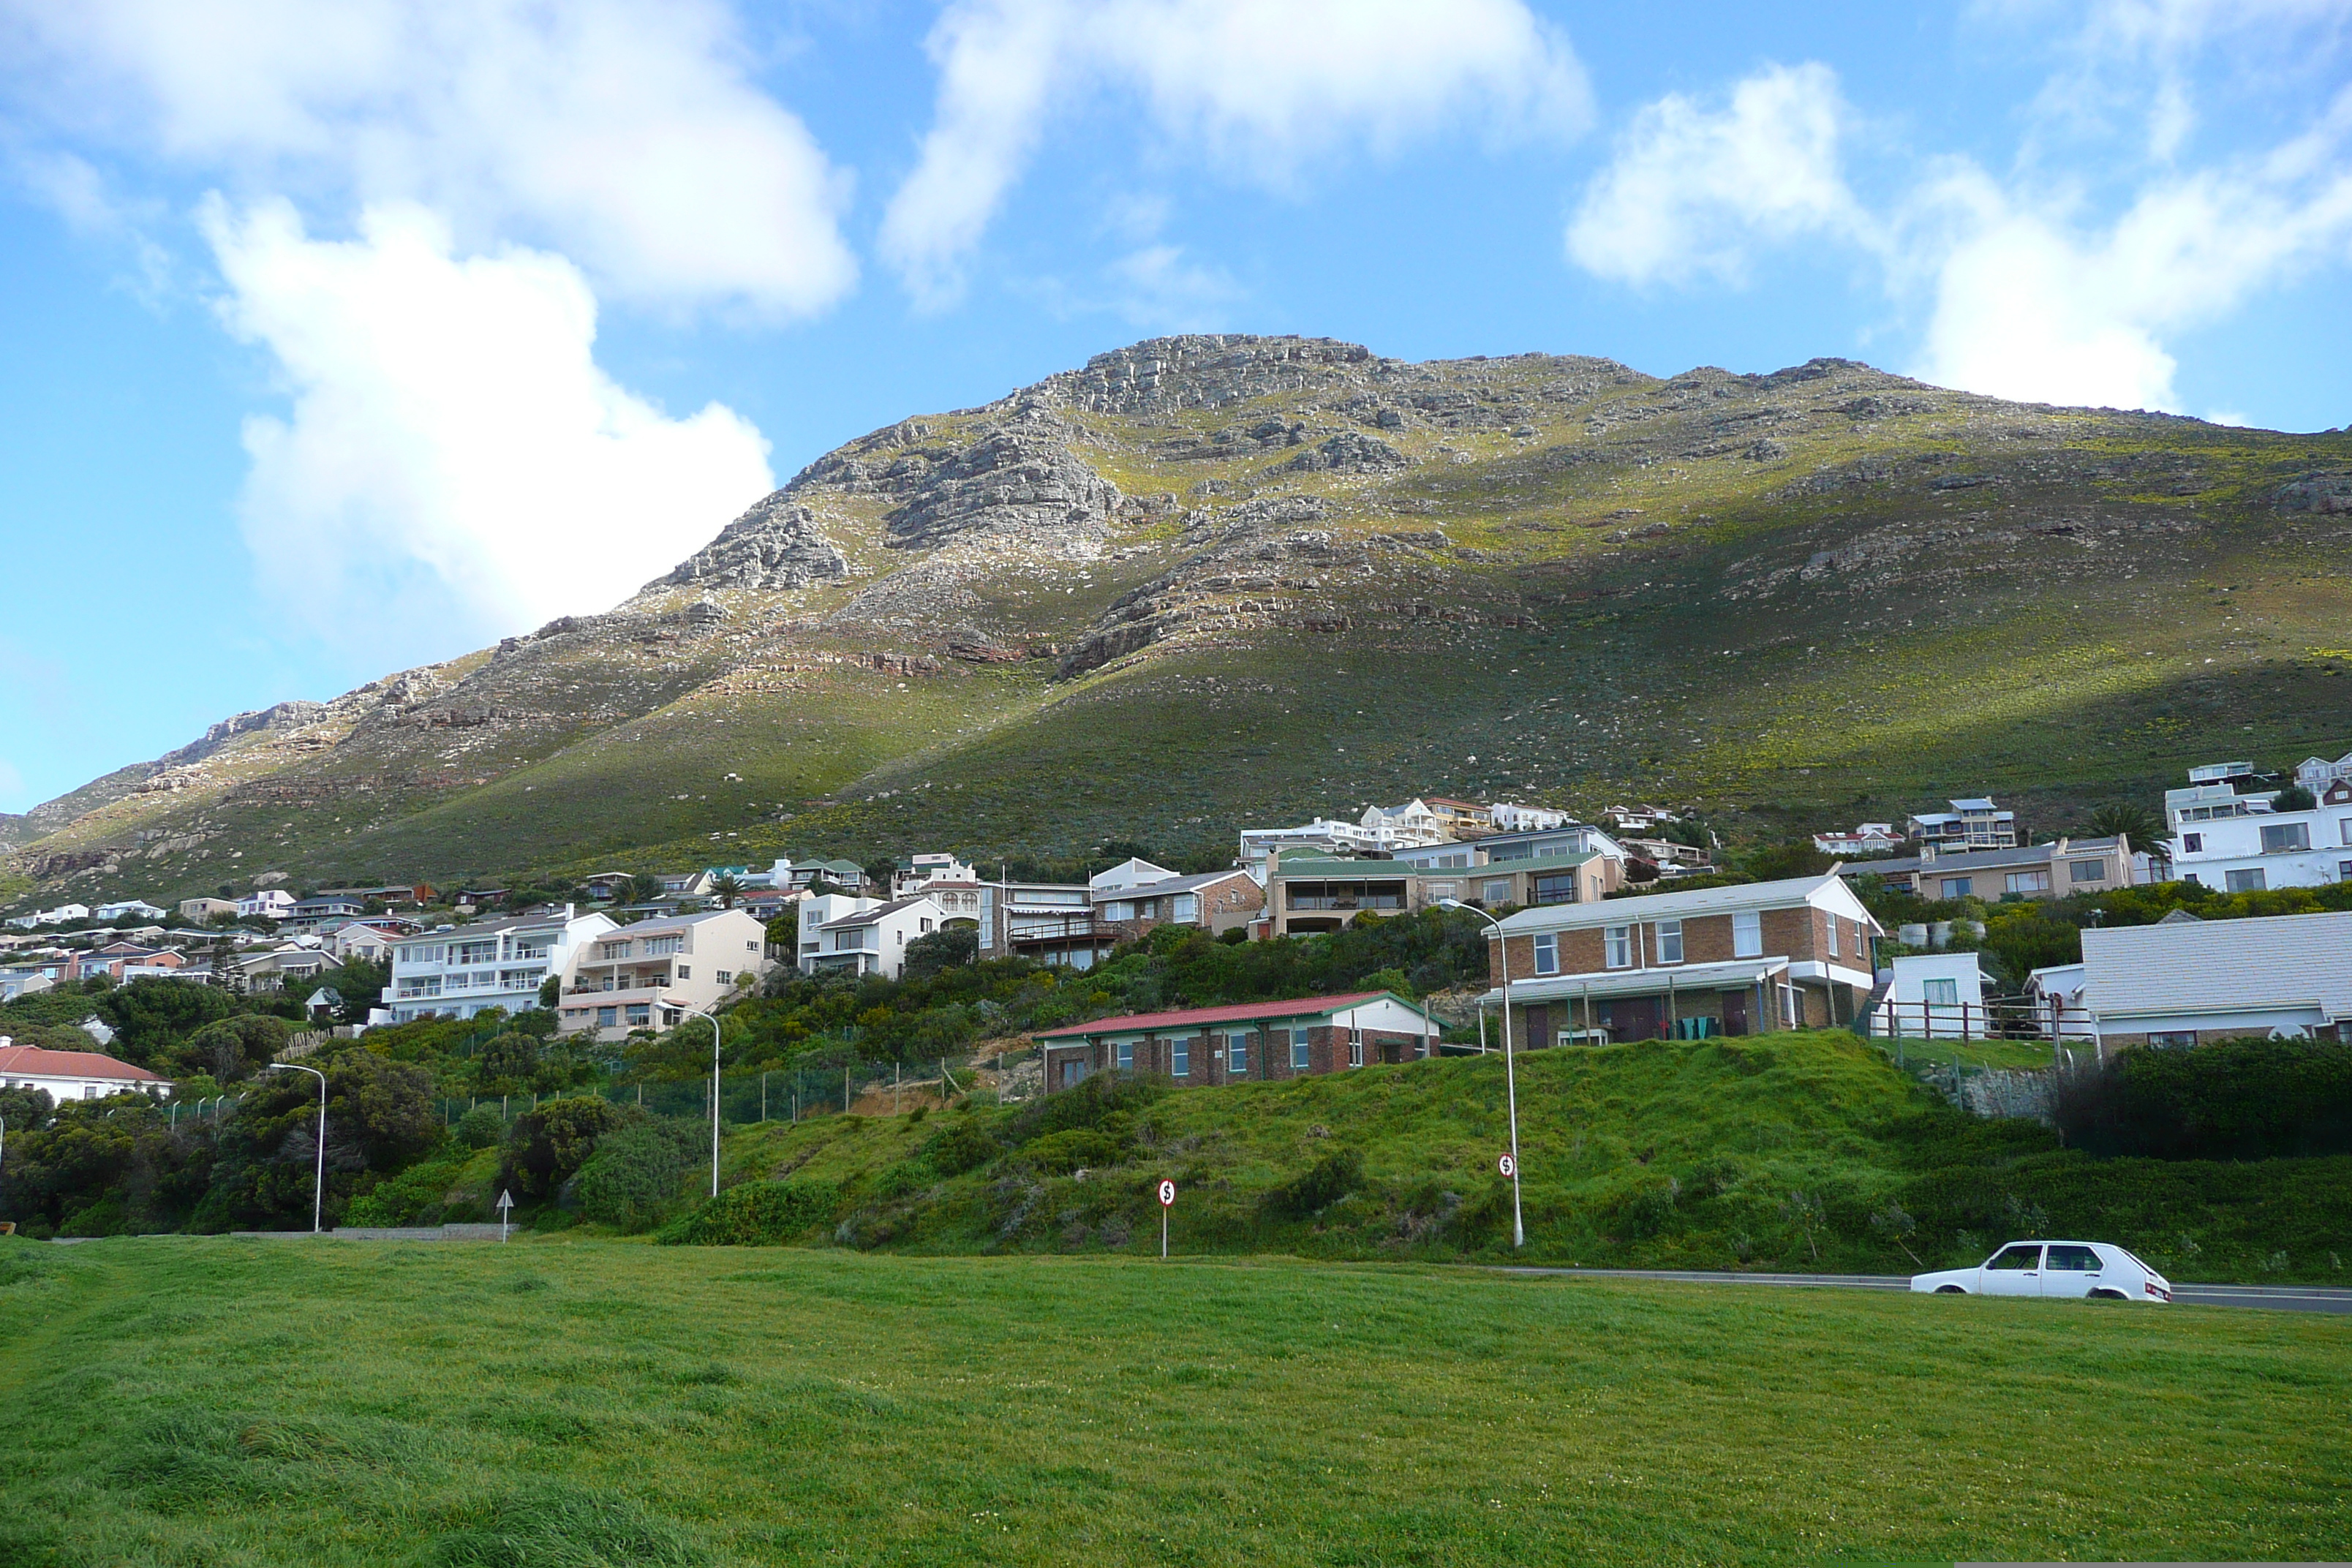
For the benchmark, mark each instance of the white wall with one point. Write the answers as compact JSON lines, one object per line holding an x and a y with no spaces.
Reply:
{"x":1907,"y":1010}
{"x":2235,"y":844}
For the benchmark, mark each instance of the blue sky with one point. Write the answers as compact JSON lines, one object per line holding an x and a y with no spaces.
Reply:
{"x":344,"y":338}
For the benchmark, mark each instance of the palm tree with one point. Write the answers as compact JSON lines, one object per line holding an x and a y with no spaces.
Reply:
{"x":2126,"y":820}
{"x":727,"y":890}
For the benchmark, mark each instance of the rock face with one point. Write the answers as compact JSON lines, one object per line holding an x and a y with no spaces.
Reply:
{"x":1021,"y":481}
{"x":1349,"y":452}
{"x":1205,"y":369}
{"x":777,"y":545}
{"x":2323,"y":493}
{"x":284,"y":715}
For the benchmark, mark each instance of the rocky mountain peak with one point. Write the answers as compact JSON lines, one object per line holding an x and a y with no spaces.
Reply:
{"x":1205,"y":369}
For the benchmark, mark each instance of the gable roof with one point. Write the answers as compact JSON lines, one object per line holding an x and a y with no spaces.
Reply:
{"x":875,"y":916}
{"x":2221,"y":966}
{"x":35,"y":1060}
{"x":1827,"y":890}
{"x":1209,"y":1017}
{"x":1162,"y":888}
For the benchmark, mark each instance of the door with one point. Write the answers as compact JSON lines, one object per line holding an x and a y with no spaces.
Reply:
{"x":1734,"y":1012}
{"x":2070,"y":1271}
{"x":2014,"y":1271}
{"x":1633,"y":1019}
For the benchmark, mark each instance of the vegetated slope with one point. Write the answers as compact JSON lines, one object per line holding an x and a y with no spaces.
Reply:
{"x":333,"y":1403}
{"x":1803,"y":1151}
{"x":1216,"y":578}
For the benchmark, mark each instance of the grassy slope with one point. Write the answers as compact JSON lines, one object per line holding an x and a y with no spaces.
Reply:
{"x":1651,"y":1154}
{"x":324,"y":1404}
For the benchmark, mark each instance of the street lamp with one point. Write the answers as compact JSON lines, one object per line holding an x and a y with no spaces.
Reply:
{"x":685,"y":1006}
{"x":1510,"y":1077}
{"x":319,"y":1185}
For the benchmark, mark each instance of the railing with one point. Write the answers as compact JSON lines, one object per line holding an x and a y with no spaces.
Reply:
{"x":2001,"y":1018}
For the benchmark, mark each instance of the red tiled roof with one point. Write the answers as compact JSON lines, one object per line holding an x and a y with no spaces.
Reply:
{"x":1246,"y":1012}
{"x":33,"y":1060}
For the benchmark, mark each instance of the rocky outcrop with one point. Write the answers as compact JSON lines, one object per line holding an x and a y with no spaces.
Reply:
{"x":1349,"y":452}
{"x":1206,"y":370}
{"x":284,"y":715}
{"x":1021,"y":481}
{"x":2326,"y":494}
{"x":775,"y":545}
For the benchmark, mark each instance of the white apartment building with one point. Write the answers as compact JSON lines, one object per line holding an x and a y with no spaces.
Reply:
{"x":928,"y":869}
{"x":270,"y":904}
{"x":490,"y":964}
{"x":645,"y":976}
{"x":1505,"y":818}
{"x":2254,"y":850}
{"x":862,"y":936}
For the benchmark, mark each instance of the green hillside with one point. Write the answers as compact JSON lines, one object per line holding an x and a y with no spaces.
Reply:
{"x":1282,"y":576}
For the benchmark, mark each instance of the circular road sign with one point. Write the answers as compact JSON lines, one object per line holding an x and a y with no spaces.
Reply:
{"x":1508,"y":1165}
{"x":1167,"y":1194}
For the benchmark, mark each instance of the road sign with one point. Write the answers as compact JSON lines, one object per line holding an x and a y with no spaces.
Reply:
{"x":1167,"y":1202}
{"x":1167,"y":1194}
{"x":506,"y":1202}
{"x":1508,"y":1165}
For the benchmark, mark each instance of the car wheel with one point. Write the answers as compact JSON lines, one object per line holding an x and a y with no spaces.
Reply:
{"x":1950,"y":1290}
{"x":2107,"y":1295}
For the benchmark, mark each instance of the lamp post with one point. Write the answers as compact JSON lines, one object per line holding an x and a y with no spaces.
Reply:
{"x":1510,"y":1076}
{"x":685,"y":1006}
{"x":319,"y":1181}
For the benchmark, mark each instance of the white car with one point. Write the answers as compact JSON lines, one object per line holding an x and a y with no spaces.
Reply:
{"x":2093,"y":1268}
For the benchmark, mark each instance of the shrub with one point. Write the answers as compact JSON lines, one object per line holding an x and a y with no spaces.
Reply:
{"x":756,"y":1213}
{"x":1059,"y":1154}
{"x":961,"y":1145}
{"x":2239,"y":1100}
{"x":549,"y":1145}
{"x":1316,"y":1188}
{"x":480,"y":1127}
{"x":634,"y":1171}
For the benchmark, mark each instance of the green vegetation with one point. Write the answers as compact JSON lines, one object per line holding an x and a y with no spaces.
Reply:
{"x":327,"y":1404}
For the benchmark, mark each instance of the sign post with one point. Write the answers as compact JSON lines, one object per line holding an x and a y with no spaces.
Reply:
{"x":1508,"y":1165}
{"x":506,"y":1203}
{"x":1167,"y":1202}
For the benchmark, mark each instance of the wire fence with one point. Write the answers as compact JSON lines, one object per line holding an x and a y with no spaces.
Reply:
{"x":746,"y":1099}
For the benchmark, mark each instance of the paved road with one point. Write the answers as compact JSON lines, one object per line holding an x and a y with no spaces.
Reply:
{"x":2277,"y":1297}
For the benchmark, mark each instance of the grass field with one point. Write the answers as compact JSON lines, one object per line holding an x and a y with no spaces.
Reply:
{"x":174,"y":1401}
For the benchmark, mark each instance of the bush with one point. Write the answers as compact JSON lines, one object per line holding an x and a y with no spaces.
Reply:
{"x":756,"y":1213}
{"x":1075,"y":1148}
{"x":962,"y":1145}
{"x":480,"y":1127}
{"x":1316,"y":1188}
{"x":636,"y":1172}
{"x":549,"y":1145}
{"x":2239,"y":1100}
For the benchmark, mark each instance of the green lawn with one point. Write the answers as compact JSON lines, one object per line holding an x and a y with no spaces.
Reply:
{"x":227,"y":1401}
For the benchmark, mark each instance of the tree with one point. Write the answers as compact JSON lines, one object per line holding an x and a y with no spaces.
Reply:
{"x":950,"y":947}
{"x":506,"y":1063}
{"x":549,"y":1145}
{"x":2126,"y":819}
{"x":727,"y":889}
{"x":2294,"y":797}
{"x":153,"y":1018}
{"x":879,"y":875}
{"x":645,"y":889}
{"x":234,"y":1048}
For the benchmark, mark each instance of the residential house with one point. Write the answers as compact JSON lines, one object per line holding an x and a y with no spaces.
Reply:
{"x":287,"y":964}
{"x":201,"y":911}
{"x":2316,"y":773}
{"x":1460,"y":819}
{"x":1052,"y":922}
{"x":128,"y":909}
{"x":604,"y":887}
{"x":1933,"y":996}
{"x":268,"y":904}
{"x":322,"y":908}
{"x":1972,"y":823}
{"x":840,"y":933}
{"x":1636,"y":819}
{"x":1670,"y":857}
{"x":1249,"y":1043}
{"x":1733,"y":961}
{"x":64,"y":914}
{"x":1505,"y":817}
{"x":116,"y":956}
{"x":848,"y":876}
{"x":645,"y":977}
{"x":1306,"y":892}
{"x":390,"y":895}
{"x":1869,"y":838}
{"x":2192,"y":982}
{"x":2266,"y":847}
{"x":1129,"y":900}
{"x":488,"y":963}
{"x":2050,"y":870}
{"x":1404,"y":826}
{"x":24,"y":980}
{"x":928,"y":867}
{"x":364,"y":940}
{"x":75,"y":1075}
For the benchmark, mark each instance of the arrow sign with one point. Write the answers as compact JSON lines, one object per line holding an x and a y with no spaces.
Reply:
{"x":506,"y":1202}
{"x":1508,"y":1165}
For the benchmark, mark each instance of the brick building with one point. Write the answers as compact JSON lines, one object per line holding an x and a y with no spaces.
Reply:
{"x":1719,"y":961}
{"x":1251,"y":1042}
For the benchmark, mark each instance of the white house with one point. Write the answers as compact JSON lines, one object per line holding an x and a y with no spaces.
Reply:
{"x":1407,"y":826}
{"x":61,"y":915}
{"x":490,"y":964}
{"x":927,"y":869}
{"x":1868,"y":839}
{"x":2191,"y":981}
{"x":862,"y":936}
{"x":1934,"y":996}
{"x":2316,"y":773}
{"x":75,"y":1075}
{"x":1509,"y":818}
{"x":129,"y":908}
{"x":2057,"y":992}
{"x":1975,"y":823}
{"x":270,"y":904}
{"x":2259,"y":848}
{"x":637,"y":976}
{"x":362,"y":940}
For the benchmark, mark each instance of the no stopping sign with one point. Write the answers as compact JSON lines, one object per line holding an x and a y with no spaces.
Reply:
{"x":1167,"y":1194}
{"x":1508,"y":1165}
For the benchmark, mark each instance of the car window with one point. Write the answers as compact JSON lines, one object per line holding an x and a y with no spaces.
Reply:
{"x":2135,"y":1259}
{"x":2074,"y":1259}
{"x":2025,"y":1255}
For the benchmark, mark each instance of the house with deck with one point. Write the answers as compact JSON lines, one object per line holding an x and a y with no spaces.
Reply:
{"x":1251,"y":1042}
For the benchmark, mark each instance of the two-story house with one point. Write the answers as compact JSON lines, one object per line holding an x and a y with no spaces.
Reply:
{"x":489,"y":963}
{"x":2050,"y":870}
{"x":2249,"y":851}
{"x":1052,"y":922}
{"x":862,"y":936}
{"x":1972,"y":823}
{"x":268,"y":904}
{"x":1729,"y":961}
{"x":645,"y":977}
{"x":1131,"y":899}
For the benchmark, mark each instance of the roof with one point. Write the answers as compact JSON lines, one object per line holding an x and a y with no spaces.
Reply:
{"x":660,"y":923}
{"x":1974,"y":803}
{"x":1964,"y":861}
{"x":1171,"y":885}
{"x":1697,"y":902}
{"x":1208,"y":1018}
{"x":875,"y":916}
{"x":498,"y":928}
{"x":1684,"y":977}
{"x":33,"y":1060}
{"x":2221,"y":966}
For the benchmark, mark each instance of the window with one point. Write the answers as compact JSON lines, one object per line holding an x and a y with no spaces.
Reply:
{"x":606,"y":1017}
{"x":1617,"y":946}
{"x":2027,"y":883}
{"x":656,"y":946}
{"x":1179,"y":1058}
{"x":1495,"y":890}
{"x":1300,"y":1048}
{"x":1958,"y":886}
{"x":2249,"y":882}
{"x":1355,"y":1047}
{"x":1747,"y":934}
{"x":488,"y":951}
{"x":2014,"y":1257}
{"x":1940,"y":992}
{"x":2343,"y":870}
{"x":2281,"y":838}
{"x":2192,"y":844}
{"x":1119,"y":909}
{"x":2071,"y":1260}
{"x":1670,"y":942}
{"x":1833,"y":936}
{"x":640,"y":1013}
{"x":1548,"y":953}
{"x":1237,"y":1055}
{"x":684,"y":972}
{"x":725,"y":977}
{"x":1555,"y":887}
{"x":2085,"y":870}
{"x":1127,"y":1055}
{"x":750,"y":947}
{"x":1187,"y":907}
{"x":2177,"y":1039}
{"x":2345,"y":827}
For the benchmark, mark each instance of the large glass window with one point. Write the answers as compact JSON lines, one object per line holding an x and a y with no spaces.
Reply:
{"x":1940,"y":992}
{"x":1300,"y":1048}
{"x":1555,"y":887}
{"x":1670,"y":942}
{"x":1548,"y":953}
{"x":1747,"y":934}
{"x":1494,"y":891}
{"x":2247,"y":881}
{"x":2279,"y":837}
{"x":2027,"y":883}
{"x":1958,"y":886}
{"x":1617,"y":946}
{"x":2085,"y":870}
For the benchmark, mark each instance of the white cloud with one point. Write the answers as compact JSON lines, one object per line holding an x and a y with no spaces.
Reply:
{"x":627,"y":133}
{"x":1690,"y":190}
{"x":456,"y":465}
{"x":1264,"y":89}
